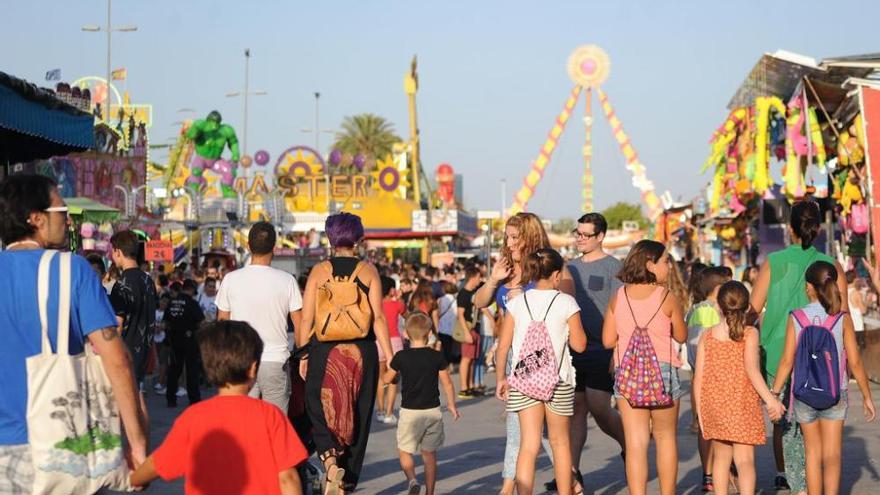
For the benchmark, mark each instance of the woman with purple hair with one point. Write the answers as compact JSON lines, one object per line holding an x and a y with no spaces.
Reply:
{"x":341,"y":376}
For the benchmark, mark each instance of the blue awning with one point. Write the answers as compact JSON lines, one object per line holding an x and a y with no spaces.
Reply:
{"x":35,"y":124}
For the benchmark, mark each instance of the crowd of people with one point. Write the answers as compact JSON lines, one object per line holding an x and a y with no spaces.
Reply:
{"x":311,"y":362}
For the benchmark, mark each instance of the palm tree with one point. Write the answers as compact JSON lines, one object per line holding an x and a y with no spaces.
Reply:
{"x":366,"y":134}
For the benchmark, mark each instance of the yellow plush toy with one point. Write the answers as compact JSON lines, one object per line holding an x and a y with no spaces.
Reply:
{"x":851,"y":194}
{"x":763,"y":106}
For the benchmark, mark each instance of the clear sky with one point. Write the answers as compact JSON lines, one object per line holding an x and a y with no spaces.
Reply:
{"x":492,"y":73}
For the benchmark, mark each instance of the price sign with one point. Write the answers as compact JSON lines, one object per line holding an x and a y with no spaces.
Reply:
{"x":159,"y":251}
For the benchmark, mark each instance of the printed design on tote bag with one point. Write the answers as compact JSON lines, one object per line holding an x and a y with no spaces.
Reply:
{"x":97,"y":440}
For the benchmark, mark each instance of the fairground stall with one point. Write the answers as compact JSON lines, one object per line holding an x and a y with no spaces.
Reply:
{"x":799,"y":128}
{"x":104,"y":177}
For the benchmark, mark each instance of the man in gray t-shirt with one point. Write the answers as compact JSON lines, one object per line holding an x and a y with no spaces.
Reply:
{"x":592,"y":280}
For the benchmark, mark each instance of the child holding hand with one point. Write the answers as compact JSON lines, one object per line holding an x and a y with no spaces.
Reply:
{"x":230,"y":444}
{"x":823,"y":428}
{"x":727,"y":387}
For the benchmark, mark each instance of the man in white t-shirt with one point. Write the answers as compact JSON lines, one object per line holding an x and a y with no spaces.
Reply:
{"x":264,"y":297}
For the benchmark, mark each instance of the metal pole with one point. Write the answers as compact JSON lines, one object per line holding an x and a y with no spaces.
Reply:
{"x":317,"y":120}
{"x":503,"y":198}
{"x":489,"y":248}
{"x":107,"y":94}
{"x":247,"y":63}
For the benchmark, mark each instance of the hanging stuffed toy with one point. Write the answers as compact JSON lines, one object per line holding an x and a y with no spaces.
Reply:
{"x":795,"y":147}
{"x":816,"y":140}
{"x":724,"y":136}
{"x":850,"y":146}
{"x":851,"y":194}
{"x":764,"y":108}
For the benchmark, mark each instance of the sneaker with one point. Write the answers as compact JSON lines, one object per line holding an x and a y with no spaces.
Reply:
{"x":389,"y":419}
{"x":414,"y":488}
{"x":780,"y":483}
{"x":158,"y":386}
{"x":708,"y":486}
{"x":181,"y":391}
{"x":465,"y":394}
{"x":380,"y":416}
{"x":160,"y":389}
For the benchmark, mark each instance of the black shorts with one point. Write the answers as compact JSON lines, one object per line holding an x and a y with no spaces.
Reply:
{"x":592,"y":371}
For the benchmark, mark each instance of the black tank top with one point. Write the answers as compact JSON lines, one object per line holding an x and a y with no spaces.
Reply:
{"x":343,"y":266}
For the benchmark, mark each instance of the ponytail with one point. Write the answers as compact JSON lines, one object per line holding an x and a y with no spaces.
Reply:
{"x":805,"y":221}
{"x":823,"y":277}
{"x":733,"y":299}
{"x":541,"y":264}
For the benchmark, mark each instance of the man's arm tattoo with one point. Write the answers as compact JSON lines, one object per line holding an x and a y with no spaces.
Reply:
{"x":109,"y":333}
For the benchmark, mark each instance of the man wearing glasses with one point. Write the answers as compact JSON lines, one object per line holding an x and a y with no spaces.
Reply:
{"x":33,"y":218}
{"x":592,"y":280}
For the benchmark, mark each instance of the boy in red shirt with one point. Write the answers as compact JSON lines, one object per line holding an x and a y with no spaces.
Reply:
{"x":232,"y":443}
{"x":394,"y":309}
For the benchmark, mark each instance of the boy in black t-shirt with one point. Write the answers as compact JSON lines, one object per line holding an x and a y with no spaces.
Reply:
{"x":420,"y":426}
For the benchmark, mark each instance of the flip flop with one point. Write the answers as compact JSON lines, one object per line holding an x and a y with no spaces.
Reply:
{"x":333,"y":485}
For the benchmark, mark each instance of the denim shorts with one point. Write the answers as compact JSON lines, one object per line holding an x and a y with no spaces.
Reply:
{"x":806,"y":414}
{"x":671,"y":382}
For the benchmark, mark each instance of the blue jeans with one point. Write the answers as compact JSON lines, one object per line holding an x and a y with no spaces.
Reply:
{"x":486,"y":343}
{"x":511,"y":448}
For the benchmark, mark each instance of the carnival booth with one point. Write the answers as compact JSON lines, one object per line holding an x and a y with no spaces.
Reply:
{"x":799,"y":128}
{"x":39,"y":123}
{"x":791,"y":133}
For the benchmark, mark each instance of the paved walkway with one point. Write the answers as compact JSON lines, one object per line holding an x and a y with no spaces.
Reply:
{"x":472,"y":459}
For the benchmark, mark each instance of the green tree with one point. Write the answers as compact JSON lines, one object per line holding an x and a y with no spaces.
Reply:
{"x":621,"y":211}
{"x":563,"y":226}
{"x":366,"y":134}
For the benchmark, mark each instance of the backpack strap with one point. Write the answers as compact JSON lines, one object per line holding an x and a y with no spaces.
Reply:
{"x":549,"y":305}
{"x":832,"y":320}
{"x":801,"y":317}
{"x":659,"y":307}
{"x":357,"y":269}
{"x":528,"y":308}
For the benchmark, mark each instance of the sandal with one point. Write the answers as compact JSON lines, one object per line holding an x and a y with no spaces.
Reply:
{"x":333,"y":484}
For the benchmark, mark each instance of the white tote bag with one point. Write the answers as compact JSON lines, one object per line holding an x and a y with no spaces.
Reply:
{"x":73,"y":424}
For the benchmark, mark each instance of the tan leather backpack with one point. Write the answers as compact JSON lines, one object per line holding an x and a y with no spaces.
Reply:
{"x":342,"y":309}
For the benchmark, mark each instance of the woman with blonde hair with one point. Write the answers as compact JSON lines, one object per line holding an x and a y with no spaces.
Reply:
{"x":524,"y":234}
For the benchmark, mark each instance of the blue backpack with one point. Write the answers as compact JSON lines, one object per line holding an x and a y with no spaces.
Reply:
{"x":815,"y":379}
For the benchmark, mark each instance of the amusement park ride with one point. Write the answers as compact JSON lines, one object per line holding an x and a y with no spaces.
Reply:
{"x":588,"y":67}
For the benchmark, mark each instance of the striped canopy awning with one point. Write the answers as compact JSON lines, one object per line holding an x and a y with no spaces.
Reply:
{"x":34,"y":124}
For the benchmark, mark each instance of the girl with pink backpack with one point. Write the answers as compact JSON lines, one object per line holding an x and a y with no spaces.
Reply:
{"x":641,"y":323}
{"x":540,"y":327}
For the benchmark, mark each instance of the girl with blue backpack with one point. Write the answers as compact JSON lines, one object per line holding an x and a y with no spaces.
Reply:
{"x":641,"y":323}
{"x":540,"y":327}
{"x":820,"y":344}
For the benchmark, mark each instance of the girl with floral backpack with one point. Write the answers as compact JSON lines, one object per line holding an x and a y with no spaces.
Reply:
{"x":540,"y":327}
{"x":641,"y":323}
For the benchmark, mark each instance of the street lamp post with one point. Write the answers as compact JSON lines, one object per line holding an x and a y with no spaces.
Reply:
{"x":317,"y":129}
{"x":109,"y":29}
{"x":130,"y":199}
{"x":246,"y":93}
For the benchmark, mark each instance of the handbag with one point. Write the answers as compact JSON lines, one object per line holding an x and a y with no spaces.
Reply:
{"x":74,"y":431}
{"x":462,"y":333}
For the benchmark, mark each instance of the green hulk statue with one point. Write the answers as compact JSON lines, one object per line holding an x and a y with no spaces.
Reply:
{"x":211,"y":137}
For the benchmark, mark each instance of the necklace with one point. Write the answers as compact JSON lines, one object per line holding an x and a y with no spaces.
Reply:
{"x":24,"y":243}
